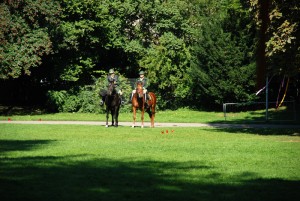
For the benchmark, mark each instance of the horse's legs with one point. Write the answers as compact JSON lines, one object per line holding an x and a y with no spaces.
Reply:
{"x":142,"y":116}
{"x":152,"y":116}
{"x":107,"y":116}
{"x":112,"y":117}
{"x":116,"y":117}
{"x":134,"y":116}
{"x":117,"y":122}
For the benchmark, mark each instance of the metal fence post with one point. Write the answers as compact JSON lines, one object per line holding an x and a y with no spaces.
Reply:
{"x":224,"y":110}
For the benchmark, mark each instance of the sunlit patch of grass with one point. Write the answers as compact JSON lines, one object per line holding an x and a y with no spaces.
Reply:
{"x":183,"y":115}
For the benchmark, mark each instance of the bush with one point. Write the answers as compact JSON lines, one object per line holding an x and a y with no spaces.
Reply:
{"x":71,"y":103}
{"x":56,"y":100}
{"x":87,"y":98}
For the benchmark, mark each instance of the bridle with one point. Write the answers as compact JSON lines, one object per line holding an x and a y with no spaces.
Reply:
{"x":139,"y":90}
{"x":111,"y":90}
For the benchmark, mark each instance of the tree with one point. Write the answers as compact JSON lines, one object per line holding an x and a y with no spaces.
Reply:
{"x":25,"y":35}
{"x":278,"y":23}
{"x":124,"y":34}
{"x":168,"y":64}
{"x":223,"y":61}
{"x":195,"y":51}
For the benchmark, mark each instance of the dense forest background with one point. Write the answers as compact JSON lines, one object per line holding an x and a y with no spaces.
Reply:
{"x":197,"y":53}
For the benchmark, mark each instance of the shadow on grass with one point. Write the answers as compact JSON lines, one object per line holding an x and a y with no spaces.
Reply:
{"x":73,"y":178}
{"x":262,"y":131}
{"x":281,"y":116}
{"x":21,"y":145}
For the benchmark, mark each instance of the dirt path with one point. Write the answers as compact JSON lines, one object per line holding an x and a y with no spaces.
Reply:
{"x":157,"y":124}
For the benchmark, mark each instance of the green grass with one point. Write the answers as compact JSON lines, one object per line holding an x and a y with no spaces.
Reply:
{"x":75,"y":162}
{"x":282,"y":114}
{"x":181,"y":115}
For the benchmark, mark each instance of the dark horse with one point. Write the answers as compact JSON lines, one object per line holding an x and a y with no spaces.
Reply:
{"x":138,"y":102}
{"x":112,"y":102}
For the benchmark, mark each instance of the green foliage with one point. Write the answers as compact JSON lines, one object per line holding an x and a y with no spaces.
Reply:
{"x":20,"y":57}
{"x":159,"y":36}
{"x":167,"y":65}
{"x":82,"y":100}
{"x":71,"y":103}
{"x":197,"y":53}
{"x":86,"y":99}
{"x":56,"y":99}
{"x":25,"y":35}
{"x":282,"y":45}
{"x":224,"y":65}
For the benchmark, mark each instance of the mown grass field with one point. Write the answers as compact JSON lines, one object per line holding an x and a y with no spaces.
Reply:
{"x":182,"y":115}
{"x":76,"y":162}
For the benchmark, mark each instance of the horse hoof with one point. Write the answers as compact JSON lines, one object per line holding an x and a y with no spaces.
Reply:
{"x":142,"y":126}
{"x":106,"y":126}
{"x":132,"y":126}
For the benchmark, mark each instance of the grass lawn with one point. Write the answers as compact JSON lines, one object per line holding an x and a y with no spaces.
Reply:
{"x":181,"y":115}
{"x":75,"y":162}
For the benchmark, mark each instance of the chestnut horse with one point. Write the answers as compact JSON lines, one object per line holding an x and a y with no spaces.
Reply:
{"x":112,"y":102}
{"x":138,"y":102}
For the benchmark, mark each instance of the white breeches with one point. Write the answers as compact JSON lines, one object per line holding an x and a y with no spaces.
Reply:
{"x":144,"y":91}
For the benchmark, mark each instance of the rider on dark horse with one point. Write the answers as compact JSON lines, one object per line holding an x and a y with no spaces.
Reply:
{"x":142,"y":79}
{"x":112,"y":78}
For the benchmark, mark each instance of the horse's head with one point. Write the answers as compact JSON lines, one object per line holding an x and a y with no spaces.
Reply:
{"x":111,"y":89}
{"x":139,"y":89}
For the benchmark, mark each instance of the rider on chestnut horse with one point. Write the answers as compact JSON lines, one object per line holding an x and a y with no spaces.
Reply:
{"x":142,"y":79}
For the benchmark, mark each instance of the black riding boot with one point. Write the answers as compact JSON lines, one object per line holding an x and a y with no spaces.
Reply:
{"x":146,"y":100}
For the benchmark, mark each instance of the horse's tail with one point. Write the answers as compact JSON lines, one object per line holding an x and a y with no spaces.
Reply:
{"x":153,"y":98}
{"x":151,"y":109}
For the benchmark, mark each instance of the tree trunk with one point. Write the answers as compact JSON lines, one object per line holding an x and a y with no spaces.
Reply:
{"x":261,"y":59}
